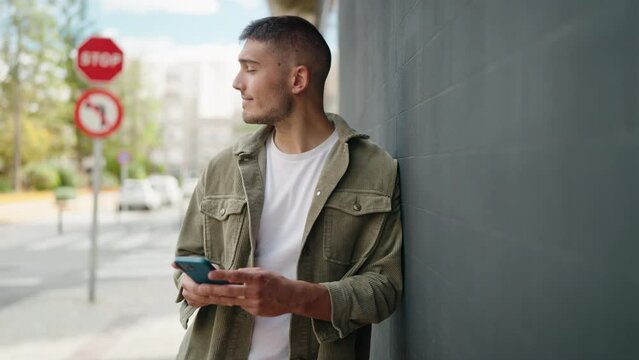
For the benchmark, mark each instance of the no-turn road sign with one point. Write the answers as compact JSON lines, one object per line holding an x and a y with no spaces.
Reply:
{"x":98,"y":113}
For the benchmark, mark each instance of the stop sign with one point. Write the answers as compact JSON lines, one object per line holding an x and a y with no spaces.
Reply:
{"x":99,"y":59}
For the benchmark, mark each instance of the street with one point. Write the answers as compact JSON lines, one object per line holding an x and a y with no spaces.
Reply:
{"x":44,"y":307}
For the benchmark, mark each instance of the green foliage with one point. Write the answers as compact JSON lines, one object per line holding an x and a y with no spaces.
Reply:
{"x":42,"y":177}
{"x":112,"y":164}
{"x":137,"y":170}
{"x":139,"y":133}
{"x":153,"y":168}
{"x":35,"y":142}
{"x":74,"y":28}
{"x":36,"y":71}
{"x":49,"y":175}
{"x":38,"y":89}
{"x":63,"y":193}
{"x":5,"y":185}
{"x":108,"y":181}
{"x":68,"y":177}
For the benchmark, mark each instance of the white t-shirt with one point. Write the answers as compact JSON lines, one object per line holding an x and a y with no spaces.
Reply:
{"x":289,"y":188}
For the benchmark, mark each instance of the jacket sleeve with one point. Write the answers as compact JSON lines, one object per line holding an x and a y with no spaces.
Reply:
{"x":189,"y":243}
{"x":373,"y":291}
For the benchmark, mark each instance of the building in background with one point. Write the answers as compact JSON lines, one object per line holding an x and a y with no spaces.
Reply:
{"x":178,"y":119}
{"x":200,"y":114}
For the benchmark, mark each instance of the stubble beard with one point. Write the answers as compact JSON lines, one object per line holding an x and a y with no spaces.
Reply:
{"x":281,"y":110}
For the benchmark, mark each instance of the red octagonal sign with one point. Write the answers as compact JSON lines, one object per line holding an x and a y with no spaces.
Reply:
{"x":99,"y":59}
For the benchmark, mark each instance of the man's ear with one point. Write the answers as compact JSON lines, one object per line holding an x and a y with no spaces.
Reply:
{"x":301,"y":79}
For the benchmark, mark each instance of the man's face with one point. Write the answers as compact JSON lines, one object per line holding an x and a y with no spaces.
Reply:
{"x":262,"y":82}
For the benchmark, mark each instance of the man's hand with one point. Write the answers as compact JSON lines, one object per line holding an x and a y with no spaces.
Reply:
{"x":261,"y":293}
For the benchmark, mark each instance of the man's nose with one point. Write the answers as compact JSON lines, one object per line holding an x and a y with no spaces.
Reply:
{"x":237,"y":83}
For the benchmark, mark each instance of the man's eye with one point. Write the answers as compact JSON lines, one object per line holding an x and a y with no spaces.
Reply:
{"x":250,"y":70}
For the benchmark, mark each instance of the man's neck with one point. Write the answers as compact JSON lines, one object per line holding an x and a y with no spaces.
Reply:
{"x":302,"y":131}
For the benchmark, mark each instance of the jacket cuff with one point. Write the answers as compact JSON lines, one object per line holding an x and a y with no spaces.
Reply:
{"x":177,"y":279}
{"x":186,"y":310}
{"x":339,"y":327}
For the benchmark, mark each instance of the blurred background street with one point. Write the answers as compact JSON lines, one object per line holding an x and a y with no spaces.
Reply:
{"x":171,"y":66}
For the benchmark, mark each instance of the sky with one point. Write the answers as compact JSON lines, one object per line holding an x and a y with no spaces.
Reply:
{"x":185,"y":22}
{"x":146,"y":24}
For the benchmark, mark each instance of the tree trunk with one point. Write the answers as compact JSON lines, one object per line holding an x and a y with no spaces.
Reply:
{"x":17,"y":113}
{"x":17,"y":138}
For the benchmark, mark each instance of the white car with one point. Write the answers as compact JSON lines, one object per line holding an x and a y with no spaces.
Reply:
{"x":138,"y":194}
{"x":168,"y":188}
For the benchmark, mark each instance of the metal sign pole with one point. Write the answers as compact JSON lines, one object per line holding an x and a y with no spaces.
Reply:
{"x":97,"y":113}
{"x":93,"y":256}
{"x":123,"y":172}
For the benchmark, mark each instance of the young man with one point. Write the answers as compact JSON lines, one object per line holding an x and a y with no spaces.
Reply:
{"x":302,"y":217}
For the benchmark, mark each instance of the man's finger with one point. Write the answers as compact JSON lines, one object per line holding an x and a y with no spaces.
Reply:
{"x":233,"y":291}
{"x":188,"y":283}
{"x":199,"y":299}
{"x":225,"y":301}
{"x":233,"y":276}
{"x":194,"y":299}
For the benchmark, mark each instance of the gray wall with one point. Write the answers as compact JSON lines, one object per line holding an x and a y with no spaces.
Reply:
{"x":516,"y":125}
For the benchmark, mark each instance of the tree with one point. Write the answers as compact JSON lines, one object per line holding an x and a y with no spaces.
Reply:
{"x":139,"y":133}
{"x":38,"y":82}
{"x":30,"y":52}
{"x":75,"y":27}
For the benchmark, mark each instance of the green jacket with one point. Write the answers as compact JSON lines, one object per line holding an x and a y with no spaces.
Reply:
{"x":352,"y":245}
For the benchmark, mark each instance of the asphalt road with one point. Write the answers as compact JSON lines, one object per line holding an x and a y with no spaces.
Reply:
{"x":33,"y":257}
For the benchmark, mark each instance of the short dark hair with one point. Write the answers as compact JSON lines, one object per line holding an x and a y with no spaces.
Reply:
{"x":298,"y":35}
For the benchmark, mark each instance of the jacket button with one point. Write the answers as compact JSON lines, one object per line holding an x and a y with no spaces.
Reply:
{"x":222,"y":211}
{"x":357,"y":207}
{"x":319,"y":193}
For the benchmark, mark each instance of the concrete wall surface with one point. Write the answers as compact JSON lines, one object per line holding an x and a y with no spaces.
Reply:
{"x":516,"y":126}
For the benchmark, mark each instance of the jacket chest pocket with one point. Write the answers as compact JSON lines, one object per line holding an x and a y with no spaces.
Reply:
{"x":352,"y":221}
{"x":224,"y":218}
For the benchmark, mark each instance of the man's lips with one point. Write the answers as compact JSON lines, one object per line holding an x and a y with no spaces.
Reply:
{"x":245,"y":102}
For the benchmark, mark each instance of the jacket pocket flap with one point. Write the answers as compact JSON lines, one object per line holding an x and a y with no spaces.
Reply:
{"x":359,"y":203}
{"x":221,"y":207}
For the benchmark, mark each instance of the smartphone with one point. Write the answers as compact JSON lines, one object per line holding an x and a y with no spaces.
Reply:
{"x":197,"y":268}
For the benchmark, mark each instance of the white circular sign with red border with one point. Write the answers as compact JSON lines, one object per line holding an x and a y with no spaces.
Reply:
{"x":98,"y":113}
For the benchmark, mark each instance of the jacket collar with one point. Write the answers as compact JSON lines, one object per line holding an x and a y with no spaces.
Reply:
{"x":252,"y":143}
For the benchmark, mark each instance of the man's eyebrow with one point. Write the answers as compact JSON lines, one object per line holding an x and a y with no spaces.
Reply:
{"x":242,"y":61}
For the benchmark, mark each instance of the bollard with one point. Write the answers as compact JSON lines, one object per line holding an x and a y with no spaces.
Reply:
{"x":62,"y":195}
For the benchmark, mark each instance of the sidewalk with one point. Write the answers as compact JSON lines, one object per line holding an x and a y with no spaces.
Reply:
{"x":131,"y":319}
{"x":26,"y":196}
{"x":16,"y":208}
